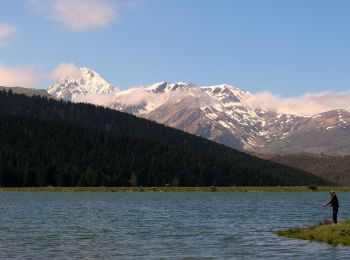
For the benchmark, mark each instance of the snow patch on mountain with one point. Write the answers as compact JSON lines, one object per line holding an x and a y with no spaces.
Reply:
{"x":89,"y":82}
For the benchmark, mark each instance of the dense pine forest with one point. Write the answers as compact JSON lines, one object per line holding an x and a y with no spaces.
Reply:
{"x":47,"y":142}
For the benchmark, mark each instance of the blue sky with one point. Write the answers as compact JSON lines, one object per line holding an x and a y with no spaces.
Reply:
{"x":287,"y":47}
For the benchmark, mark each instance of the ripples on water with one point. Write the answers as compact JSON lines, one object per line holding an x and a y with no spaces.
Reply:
{"x":162,"y":225}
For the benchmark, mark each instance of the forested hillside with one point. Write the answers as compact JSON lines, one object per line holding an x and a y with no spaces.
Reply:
{"x":333,"y":168}
{"x":47,"y":142}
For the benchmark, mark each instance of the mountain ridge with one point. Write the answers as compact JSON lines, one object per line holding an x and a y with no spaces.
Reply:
{"x":219,"y":113}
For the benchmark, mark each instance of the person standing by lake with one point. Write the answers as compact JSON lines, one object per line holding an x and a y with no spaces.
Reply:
{"x":335,"y":205}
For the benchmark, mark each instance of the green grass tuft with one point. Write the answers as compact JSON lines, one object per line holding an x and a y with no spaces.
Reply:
{"x":334,"y":234}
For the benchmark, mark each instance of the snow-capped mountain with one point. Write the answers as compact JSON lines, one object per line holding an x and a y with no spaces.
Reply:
{"x":327,"y":132}
{"x":218,"y":113}
{"x":88,"y":82}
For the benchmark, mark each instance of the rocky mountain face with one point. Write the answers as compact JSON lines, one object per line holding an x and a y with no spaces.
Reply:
{"x":327,"y":132}
{"x":218,"y":113}
{"x":89,"y":82}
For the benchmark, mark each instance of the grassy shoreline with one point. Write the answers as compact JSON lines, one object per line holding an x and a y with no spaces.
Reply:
{"x":179,"y":189}
{"x":333,"y":234}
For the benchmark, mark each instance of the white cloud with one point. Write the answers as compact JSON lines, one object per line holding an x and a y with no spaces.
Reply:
{"x":22,"y":76}
{"x":27,"y":76}
{"x":6,"y":32}
{"x":307,"y":104}
{"x":65,"y":70}
{"x":135,"y":96}
{"x":77,"y":15}
{"x":98,"y":99}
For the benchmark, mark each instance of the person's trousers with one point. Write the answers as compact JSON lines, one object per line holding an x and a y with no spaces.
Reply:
{"x":335,"y":215}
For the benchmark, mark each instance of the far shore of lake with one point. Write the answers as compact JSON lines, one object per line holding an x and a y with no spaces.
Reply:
{"x":181,"y":189}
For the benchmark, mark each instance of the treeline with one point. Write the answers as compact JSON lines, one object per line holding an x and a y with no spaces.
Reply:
{"x":47,"y":142}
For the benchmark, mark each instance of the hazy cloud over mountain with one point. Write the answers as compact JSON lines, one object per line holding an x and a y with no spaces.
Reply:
{"x":307,"y":104}
{"x":98,"y":99}
{"x":65,"y":70}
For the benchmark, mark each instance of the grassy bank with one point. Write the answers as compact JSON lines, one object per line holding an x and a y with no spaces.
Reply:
{"x":177,"y":189}
{"x":327,"y":232}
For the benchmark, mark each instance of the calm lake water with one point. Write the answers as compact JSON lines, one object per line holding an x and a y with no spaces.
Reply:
{"x":162,"y":225}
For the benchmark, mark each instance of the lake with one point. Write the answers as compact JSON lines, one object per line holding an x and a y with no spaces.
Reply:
{"x":163,"y":225}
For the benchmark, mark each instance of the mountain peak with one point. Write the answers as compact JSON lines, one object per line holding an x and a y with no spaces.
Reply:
{"x":165,"y":87}
{"x":86,"y":70}
{"x":225,"y":86}
{"x":89,"y":82}
{"x":89,"y":72}
{"x":157,"y":87}
{"x":226,"y":92}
